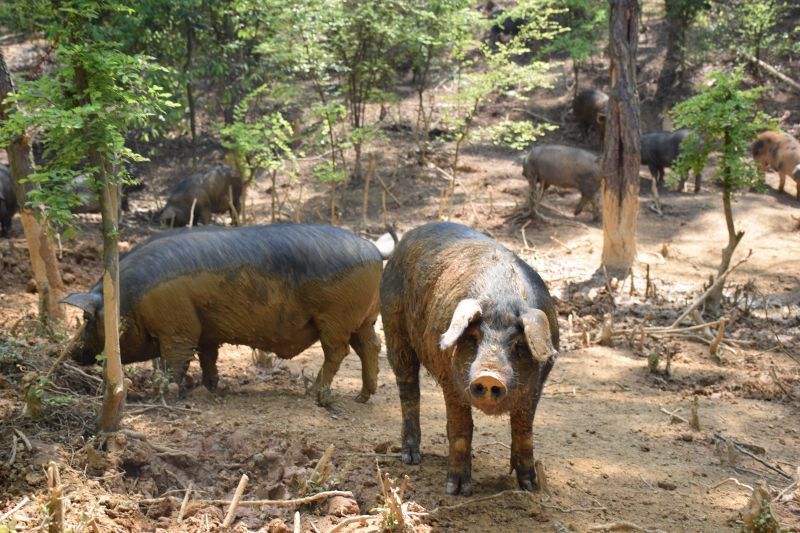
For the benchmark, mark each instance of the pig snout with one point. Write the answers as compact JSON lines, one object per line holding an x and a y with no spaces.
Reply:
{"x":488,"y":389}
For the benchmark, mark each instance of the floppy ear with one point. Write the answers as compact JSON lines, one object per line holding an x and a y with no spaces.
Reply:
{"x":467,"y":311}
{"x":537,"y":334}
{"x":88,"y":301}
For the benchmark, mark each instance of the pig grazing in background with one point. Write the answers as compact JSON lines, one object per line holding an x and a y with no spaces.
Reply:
{"x":482,"y":322}
{"x":277,"y":288}
{"x":211,"y":192}
{"x":589,"y":108}
{"x":8,"y":201}
{"x":660,"y":149}
{"x":563,"y":166}
{"x":779,"y":152}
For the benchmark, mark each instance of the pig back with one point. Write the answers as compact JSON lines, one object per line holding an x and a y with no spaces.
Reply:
{"x":262,"y":286}
{"x":563,"y":166}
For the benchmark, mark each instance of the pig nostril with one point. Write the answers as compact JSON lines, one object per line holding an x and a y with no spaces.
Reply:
{"x":497,"y":392}
{"x":478,"y":389}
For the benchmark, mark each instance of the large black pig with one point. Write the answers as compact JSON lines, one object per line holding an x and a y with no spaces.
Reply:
{"x":277,"y":288}
{"x":660,"y":149}
{"x":8,"y":201}
{"x":482,"y":322}
{"x":211,"y":192}
{"x":590,"y":110}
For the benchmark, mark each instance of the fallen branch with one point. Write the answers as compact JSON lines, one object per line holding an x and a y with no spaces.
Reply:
{"x":478,"y":500}
{"x":536,"y":115}
{"x":571,"y":509}
{"x":772,"y":71}
{"x":163,"y":450}
{"x":729,"y":480}
{"x":25,"y":441}
{"x":390,"y":193}
{"x":702,"y":298}
{"x":184,"y":503}
{"x":22,"y":503}
{"x":283,"y":503}
{"x":779,"y":384}
{"x":743,"y":449}
{"x":13,"y":454}
{"x":675,"y":417}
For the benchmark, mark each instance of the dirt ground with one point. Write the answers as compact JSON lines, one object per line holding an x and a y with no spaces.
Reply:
{"x":611,"y":430}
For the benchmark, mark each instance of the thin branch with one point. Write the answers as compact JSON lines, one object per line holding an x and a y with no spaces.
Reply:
{"x":283,"y":503}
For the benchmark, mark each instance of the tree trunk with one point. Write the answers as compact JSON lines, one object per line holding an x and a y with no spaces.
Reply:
{"x":40,"y":244}
{"x":114,"y":397}
{"x":714,"y":298}
{"x":621,"y":156}
{"x":187,"y":70}
{"x":673,"y":59}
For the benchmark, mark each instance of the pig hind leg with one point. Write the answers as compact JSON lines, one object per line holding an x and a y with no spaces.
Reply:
{"x":335,"y":350}
{"x":208,"y":362}
{"x":405,"y":364}
{"x":367,"y":345}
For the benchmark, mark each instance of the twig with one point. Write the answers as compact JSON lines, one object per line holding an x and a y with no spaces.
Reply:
{"x":773,"y":72}
{"x":13,"y":454}
{"x":695,"y":419}
{"x":729,"y":480}
{"x":567,"y":248}
{"x":623,"y":525}
{"x":744,"y":450}
{"x":778,"y":382}
{"x":191,"y":213}
{"x":297,"y":522}
{"x":184,"y":503}
{"x":22,"y":503}
{"x":675,"y":417}
{"x":649,"y":485}
{"x":390,"y":193}
{"x":283,"y":503}
{"x":478,"y":500}
{"x":702,"y":298}
{"x":778,"y":497}
{"x":163,"y":450}
{"x":571,"y":509}
{"x":536,"y":115}
{"x":55,"y":506}
{"x":67,"y":349}
{"x":524,"y":237}
{"x":142,"y":407}
{"x":24,"y":441}
{"x":235,"y":501}
{"x":360,"y":519}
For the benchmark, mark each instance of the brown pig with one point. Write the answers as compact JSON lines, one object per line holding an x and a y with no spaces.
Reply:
{"x":780,"y":152}
{"x":214,"y":191}
{"x":278,"y":288}
{"x":482,"y":322}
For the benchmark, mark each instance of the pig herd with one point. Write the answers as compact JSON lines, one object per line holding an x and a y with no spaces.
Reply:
{"x":453,"y":301}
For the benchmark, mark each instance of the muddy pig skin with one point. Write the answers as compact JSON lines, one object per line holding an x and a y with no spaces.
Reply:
{"x":8,"y":201}
{"x":779,"y":152}
{"x":659,"y":151}
{"x":211,"y":189}
{"x":482,"y":322}
{"x":278,"y":288}
{"x":589,"y":108}
{"x":564,"y":166}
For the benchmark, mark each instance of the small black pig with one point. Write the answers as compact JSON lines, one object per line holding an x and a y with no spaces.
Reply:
{"x":211,"y":192}
{"x":482,"y":322}
{"x":8,"y":201}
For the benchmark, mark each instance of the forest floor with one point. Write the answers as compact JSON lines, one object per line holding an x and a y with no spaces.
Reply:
{"x":604,"y":432}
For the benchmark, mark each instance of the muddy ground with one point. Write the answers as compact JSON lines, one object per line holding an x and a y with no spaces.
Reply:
{"x":610,"y":447}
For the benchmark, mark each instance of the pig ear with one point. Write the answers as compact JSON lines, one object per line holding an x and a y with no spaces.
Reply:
{"x":601,"y":118}
{"x":88,"y":301}
{"x":467,"y":311}
{"x":537,"y":333}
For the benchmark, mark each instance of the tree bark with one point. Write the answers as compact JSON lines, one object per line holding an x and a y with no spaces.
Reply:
{"x":621,"y":156}
{"x":673,"y":59}
{"x":187,"y":70}
{"x":114,"y":396}
{"x":40,"y":243}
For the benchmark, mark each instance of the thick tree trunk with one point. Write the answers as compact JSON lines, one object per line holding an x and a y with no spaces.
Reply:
{"x":40,"y":244}
{"x":676,"y":33}
{"x":621,"y":156}
{"x":187,"y":69}
{"x":114,"y":397}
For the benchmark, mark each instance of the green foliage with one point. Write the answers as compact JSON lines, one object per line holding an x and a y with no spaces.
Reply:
{"x":88,"y":101}
{"x":725,"y":118}
{"x":585,"y":24}
{"x":748,"y":27}
{"x":258,"y":140}
{"x":517,"y":134}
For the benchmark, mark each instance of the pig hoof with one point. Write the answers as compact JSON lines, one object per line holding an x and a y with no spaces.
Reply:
{"x":527,"y":479}
{"x":211,"y":384}
{"x":324,"y":397}
{"x":362,"y":397}
{"x":411,"y":455}
{"x":458,"y":484}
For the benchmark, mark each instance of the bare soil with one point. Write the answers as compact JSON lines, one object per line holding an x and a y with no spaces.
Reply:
{"x":611,"y":450}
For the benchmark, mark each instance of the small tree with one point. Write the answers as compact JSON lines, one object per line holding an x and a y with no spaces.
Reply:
{"x":262,"y":143}
{"x":725,"y":119}
{"x":81,"y":110}
{"x":748,"y":27}
{"x":484,"y":71}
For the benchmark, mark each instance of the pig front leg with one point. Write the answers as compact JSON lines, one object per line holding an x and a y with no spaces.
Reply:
{"x":208,"y":362}
{"x":522,"y":448}
{"x":459,"y":435}
{"x":335,"y":351}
